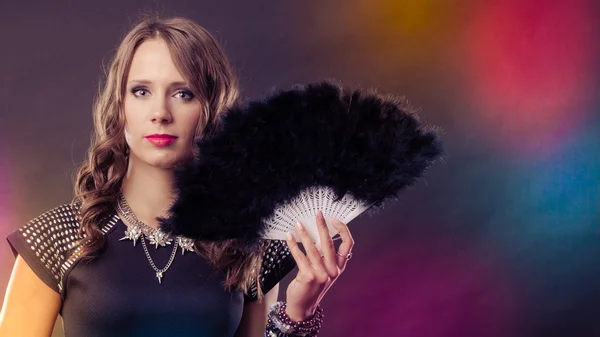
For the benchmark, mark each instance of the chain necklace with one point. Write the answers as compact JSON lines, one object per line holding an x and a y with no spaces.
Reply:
{"x":139,"y":230}
{"x":159,"y":272}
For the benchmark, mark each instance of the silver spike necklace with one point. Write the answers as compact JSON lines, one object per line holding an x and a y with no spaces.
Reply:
{"x":137,"y":230}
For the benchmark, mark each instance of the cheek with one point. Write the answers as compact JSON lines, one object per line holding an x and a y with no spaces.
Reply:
{"x":129,"y":109}
{"x":191,"y":121}
{"x":133,"y":118}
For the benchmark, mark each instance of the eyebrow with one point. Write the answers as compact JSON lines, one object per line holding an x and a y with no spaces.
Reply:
{"x":147,"y":82}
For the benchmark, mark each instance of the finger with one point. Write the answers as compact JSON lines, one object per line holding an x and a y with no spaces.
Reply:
{"x":301,"y":259}
{"x":311,"y":250}
{"x":347,"y":244}
{"x":329,"y":256}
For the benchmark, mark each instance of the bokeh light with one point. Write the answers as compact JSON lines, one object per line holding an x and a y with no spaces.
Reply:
{"x":531,"y":67}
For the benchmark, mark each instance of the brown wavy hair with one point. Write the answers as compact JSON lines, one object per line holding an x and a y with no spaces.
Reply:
{"x":202,"y":62}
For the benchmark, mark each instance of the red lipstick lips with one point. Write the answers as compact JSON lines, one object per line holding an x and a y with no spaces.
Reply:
{"x":161,"y":139}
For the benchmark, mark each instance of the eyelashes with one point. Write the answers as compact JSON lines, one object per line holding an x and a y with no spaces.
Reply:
{"x":139,"y":92}
{"x":183,"y":94}
{"x":188,"y":94}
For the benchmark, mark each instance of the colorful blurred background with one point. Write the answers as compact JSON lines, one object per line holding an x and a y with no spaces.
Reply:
{"x":502,"y":239}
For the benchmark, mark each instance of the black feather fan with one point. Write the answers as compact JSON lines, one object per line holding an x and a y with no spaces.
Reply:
{"x":360,"y":145}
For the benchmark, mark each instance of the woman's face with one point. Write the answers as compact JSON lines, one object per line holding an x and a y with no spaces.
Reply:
{"x":161,"y":112}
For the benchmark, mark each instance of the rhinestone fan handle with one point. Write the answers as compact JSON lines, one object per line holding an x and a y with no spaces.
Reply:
{"x":304,"y":208}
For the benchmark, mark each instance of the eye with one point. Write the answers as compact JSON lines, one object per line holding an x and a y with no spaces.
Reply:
{"x":139,"y":92}
{"x":185,"y":95}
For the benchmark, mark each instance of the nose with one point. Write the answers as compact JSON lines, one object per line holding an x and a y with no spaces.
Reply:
{"x":161,"y":112}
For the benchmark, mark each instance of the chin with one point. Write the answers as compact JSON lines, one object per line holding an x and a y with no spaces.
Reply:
{"x":167,"y":161}
{"x":164,"y":164}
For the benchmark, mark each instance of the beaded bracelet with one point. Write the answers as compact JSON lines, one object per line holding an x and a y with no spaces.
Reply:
{"x":281,"y":325}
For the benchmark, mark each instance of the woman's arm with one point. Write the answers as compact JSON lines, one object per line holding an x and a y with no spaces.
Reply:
{"x":254,"y":318}
{"x":30,"y":307}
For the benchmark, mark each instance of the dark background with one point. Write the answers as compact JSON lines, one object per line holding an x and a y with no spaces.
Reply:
{"x":502,"y":239}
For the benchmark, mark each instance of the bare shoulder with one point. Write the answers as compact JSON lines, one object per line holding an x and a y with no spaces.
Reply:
{"x":41,"y":248}
{"x":28,"y":299}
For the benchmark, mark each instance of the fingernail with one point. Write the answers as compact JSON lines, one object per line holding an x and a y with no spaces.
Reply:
{"x":300,"y":226}
{"x":289,"y":236}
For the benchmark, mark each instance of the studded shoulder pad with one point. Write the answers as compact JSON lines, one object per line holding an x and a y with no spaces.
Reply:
{"x":277,"y":262}
{"x":48,"y":244}
{"x":45,"y":241}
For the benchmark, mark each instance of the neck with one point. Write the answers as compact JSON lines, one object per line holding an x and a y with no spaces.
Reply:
{"x":148,"y":191}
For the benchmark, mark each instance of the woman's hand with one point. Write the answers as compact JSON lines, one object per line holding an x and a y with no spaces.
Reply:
{"x":316,"y":273}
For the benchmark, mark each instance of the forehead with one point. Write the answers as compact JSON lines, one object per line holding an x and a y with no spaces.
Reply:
{"x":152,"y":62}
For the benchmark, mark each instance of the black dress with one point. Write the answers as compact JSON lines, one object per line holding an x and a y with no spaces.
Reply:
{"x":118,"y":294}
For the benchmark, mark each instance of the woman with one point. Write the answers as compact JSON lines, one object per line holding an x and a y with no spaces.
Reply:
{"x":101,"y":263}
